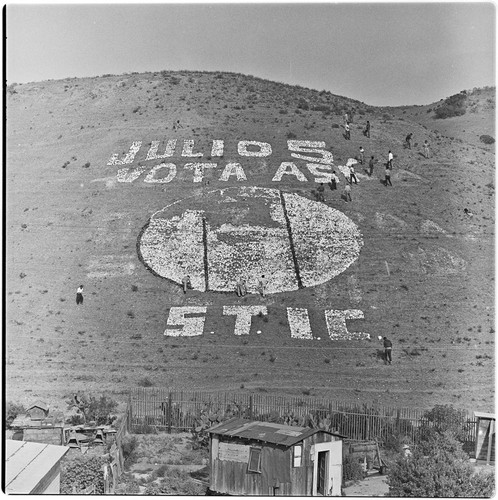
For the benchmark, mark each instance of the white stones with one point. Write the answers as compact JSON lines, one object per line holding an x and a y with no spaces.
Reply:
{"x":189,"y":321}
{"x":308,"y":246}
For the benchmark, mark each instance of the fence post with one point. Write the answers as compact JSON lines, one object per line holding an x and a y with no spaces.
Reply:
{"x":170,"y":413}
{"x":330,"y":416}
{"x":129,"y":414}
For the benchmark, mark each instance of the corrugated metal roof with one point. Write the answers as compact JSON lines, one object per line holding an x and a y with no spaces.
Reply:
{"x":481,"y":414}
{"x":26,"y":464}
{"x":285,"y":435}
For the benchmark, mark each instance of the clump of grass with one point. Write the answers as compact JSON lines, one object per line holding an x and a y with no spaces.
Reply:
{"x":145,"y":382}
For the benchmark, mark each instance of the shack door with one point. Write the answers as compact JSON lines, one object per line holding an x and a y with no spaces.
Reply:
{"x":321,"y":479}
{"x":327,"y":469}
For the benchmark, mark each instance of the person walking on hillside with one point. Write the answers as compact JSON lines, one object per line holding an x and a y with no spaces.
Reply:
{"x":366,"y":132}
{"x":409,"y":140}
{"x":352,"y":175}
{"x":79,"y":295}
{"x":426,"y":149}
{"x":362,"y":155}
{"x":390,"y":159}
{"x":371,"y":166}
{"x":346,"y":118}
{"x":347,"y":193}
{"x":388,"y":176}
{"x":333,"y":181}
{"x":347,"y":129}
{"x":388,"y":349}
{"x":320,"y":192}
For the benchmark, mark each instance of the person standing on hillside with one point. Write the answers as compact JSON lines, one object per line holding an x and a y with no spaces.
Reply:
{"x":409,"y":140}
{"x":333,"y":181}
{"x":362,"y":155}
{"x":390,"y":159}
{"x":388,"y":176}
{"x":320,"y":192}
{"x":187,"y":285}
{"x":262,"y":285}
{"x":348,"y":131}
{"x":79,"y":295}
{"x":346,"y":118}
{"x":366,"y":132}
{"x":371,"y":166}
{"x":352,"y":175}
{"x":426,"y":149}
{"x":347,"y":193}
{"x":241,"y":287}
{"x":388,"y":349}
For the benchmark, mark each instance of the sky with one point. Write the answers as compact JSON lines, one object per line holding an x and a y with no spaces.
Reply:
{"x":385,"y":54}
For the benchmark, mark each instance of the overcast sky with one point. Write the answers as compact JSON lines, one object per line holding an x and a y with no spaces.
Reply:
{"x":381,"y":54}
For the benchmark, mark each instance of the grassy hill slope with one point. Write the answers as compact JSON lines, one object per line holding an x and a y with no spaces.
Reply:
{"x":425,"y":276}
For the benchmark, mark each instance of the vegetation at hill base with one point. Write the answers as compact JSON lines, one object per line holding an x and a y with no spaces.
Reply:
{"x":438,"y":468}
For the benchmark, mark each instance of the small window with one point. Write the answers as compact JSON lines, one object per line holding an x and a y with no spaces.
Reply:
{"x":254,"y":460}
{"x":298,"y":453}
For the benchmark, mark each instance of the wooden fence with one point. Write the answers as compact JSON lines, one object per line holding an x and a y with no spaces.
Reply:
{"x":162,"y":409}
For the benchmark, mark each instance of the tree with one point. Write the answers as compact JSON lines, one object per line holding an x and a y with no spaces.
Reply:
{"x":444,"y":418}
{"x":99,"y":410}
{"x":12,"y":410}
{"x":438,"y":468}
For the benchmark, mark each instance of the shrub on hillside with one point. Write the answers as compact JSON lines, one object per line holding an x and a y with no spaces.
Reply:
{"x":455,"y":105}
{"x":487,"y":139}
{"x":438,"y":468}
{"x":303,"y":104}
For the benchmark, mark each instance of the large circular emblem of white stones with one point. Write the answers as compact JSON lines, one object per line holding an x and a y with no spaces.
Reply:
{"x":247,"y":232}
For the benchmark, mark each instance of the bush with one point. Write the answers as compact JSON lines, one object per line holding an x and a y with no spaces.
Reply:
{"x":129,"y":447}
{"x":12,"y":410}
{"x":455,"y":105}
{"x":82,"y":472}
{"x":441,"y":419}
{"x":351,"y":469}
{"x":176,"y":483}
{"x":100,"y":410}
{"x":303,"y":104}
{"x":487,"y":139}
{"x":145,"y":382}
{"x":438,"y":468}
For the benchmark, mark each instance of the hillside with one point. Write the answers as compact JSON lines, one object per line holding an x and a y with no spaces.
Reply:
{"x":79,"y":210}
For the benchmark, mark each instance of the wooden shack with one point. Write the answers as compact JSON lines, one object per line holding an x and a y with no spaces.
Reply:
{"x":485,"y":436}
{"x":38,"y":411}
{"x":261,"y":458}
